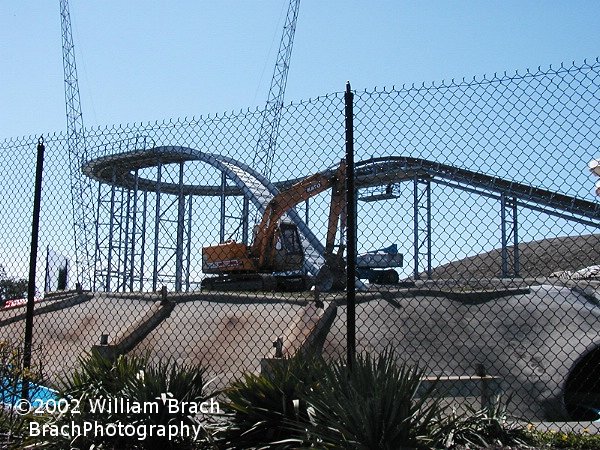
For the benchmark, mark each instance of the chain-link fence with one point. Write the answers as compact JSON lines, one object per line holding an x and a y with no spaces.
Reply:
{"x":476,"y":237}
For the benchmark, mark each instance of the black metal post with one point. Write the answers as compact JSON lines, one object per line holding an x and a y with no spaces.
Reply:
{"x":35,"y":224}
{"x":351,"y":224}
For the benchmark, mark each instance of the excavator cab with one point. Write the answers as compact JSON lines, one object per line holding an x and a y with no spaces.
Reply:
{"x":288,"y":254}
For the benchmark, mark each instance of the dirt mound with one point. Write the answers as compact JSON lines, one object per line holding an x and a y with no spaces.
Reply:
{"x":537,"y":259}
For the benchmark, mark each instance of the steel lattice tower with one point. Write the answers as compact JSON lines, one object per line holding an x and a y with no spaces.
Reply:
{"x":81,"y":189}
{"x":267,"y":140}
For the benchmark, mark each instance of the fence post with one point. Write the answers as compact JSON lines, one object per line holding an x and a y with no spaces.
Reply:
{"x":35,"y":224}
{"x":351,"y":224}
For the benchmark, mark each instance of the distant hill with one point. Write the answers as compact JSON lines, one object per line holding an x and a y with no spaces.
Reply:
{"x":537,"y":259}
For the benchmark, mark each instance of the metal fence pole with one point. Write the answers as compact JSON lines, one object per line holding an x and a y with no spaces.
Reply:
{"x":351,"y":224}
{"x":35,"y":225}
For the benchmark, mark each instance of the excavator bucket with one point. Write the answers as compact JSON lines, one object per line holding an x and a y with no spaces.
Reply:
{"x":332,"y":276}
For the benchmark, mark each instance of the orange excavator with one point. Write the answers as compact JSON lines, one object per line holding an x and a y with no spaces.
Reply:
{"x":277,"y":248}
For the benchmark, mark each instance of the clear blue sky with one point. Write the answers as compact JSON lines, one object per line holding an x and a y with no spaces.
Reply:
{"x":143,"y":61}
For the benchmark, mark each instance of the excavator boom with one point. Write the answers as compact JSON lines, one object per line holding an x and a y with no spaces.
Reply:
{"x":290,"y":198}
{"x":277,"y":246}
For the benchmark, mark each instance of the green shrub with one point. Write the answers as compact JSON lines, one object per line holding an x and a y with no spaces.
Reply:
{"x":480,"y":429}
{"x":582,"y":440}
{"x":129,"y":381}
{"x":372,"y":406}
{"x":271,"y":411}
{"x":13,"y":426}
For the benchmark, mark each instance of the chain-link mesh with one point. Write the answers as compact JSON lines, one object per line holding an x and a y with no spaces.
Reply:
{"x":476,"y":239}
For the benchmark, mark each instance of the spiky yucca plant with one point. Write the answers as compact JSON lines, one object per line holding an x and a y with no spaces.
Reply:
{"x":134,"y":379}
{"x":480,"y":428}
{"x":373,"y":405}
{"x":271,"y":411}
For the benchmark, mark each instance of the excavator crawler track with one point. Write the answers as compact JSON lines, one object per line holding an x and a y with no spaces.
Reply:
{"x":257,"y":282}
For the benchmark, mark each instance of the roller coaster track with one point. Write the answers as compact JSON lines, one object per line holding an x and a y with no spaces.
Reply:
{"x":118,"y":169}
{"x":392,"y":169}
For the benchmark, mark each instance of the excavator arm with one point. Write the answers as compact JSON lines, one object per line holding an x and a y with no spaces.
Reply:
{"x":337,"y":216}
{"x":277,"y":246}
{"x":264,"y":241}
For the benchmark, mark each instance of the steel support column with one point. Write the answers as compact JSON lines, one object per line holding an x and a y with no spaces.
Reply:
{"x":97,"y":256}
{"x":189,"y":244}
{"x":421,"y":231}
{"x":111,"y":232}
{"x":509,"y":229}
{"x":133,"y":232}
{"x":136,"y":236}
{"x":126,"y":256}
{"x":222,"y":215}
{"x":180,"y":231}
{"x":143,"y":243}
{"x":156,"y":228}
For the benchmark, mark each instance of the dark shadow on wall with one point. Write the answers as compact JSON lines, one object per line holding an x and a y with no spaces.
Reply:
{"x":582,"y":388}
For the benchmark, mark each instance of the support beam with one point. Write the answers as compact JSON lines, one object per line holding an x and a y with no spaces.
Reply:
{"x":180,"y":232}
{"x":510,"y":266}
{"x":422,"y":226}
{"x":156,"y":228}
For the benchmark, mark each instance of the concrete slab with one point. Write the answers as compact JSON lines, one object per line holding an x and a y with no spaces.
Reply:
{"x":61,"y":337}
{"x":534,"y":339}
{"x":227,"y":338}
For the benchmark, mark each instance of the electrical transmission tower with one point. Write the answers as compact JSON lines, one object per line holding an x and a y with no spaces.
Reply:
{"x":81,"y":189}
{"x":267,"y":140}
